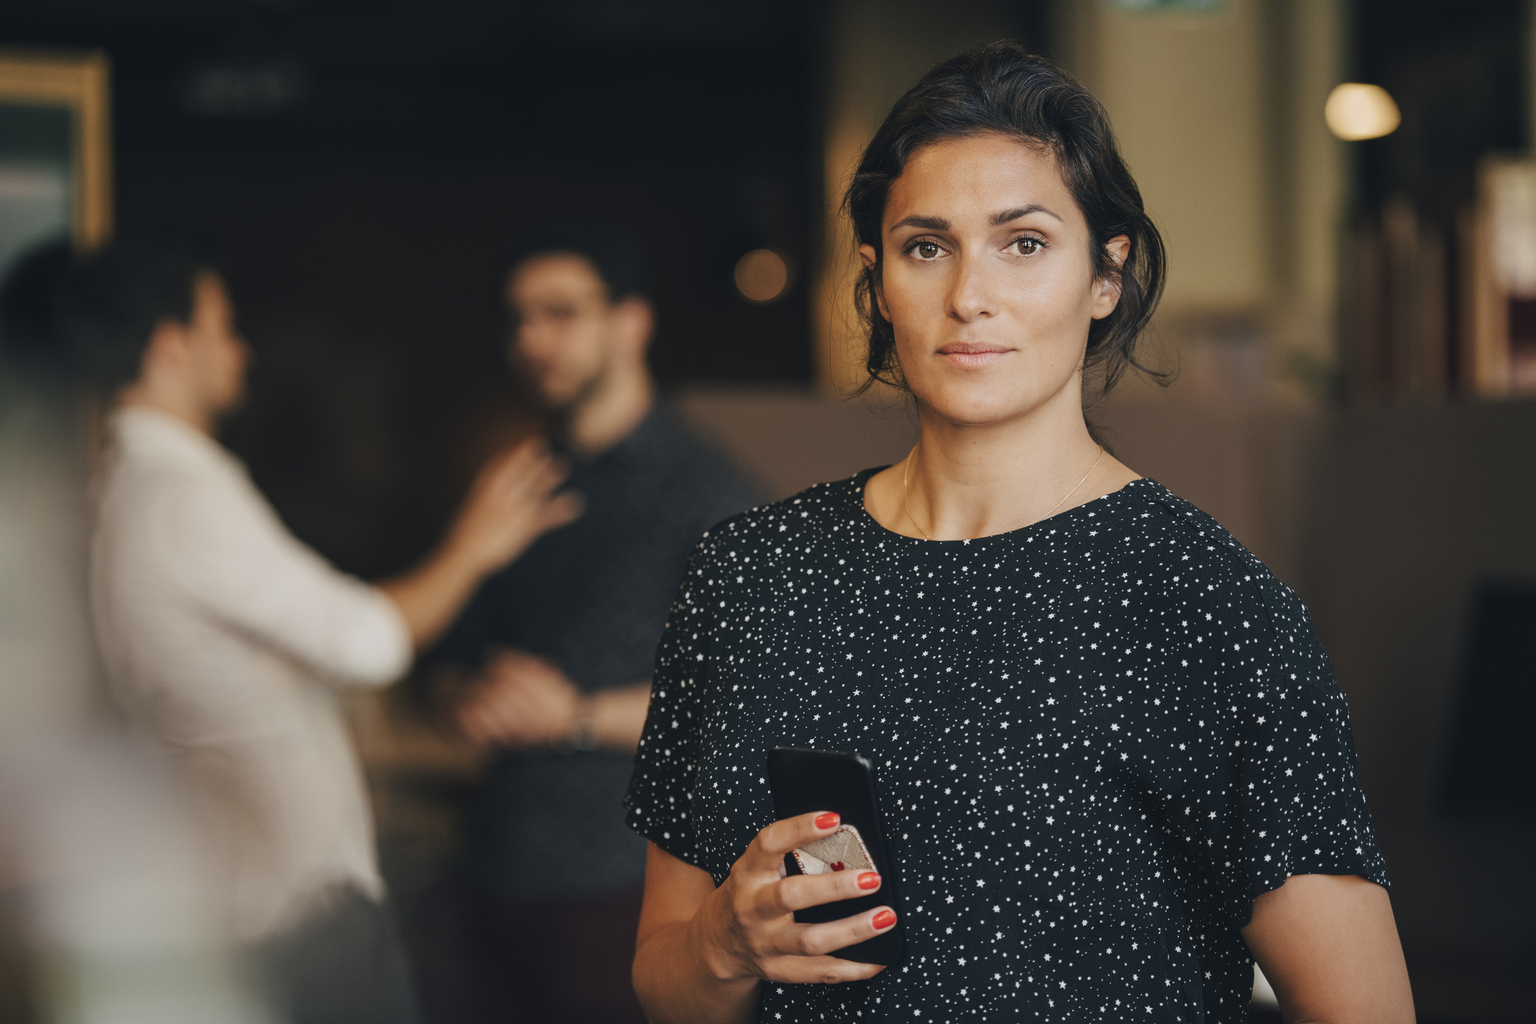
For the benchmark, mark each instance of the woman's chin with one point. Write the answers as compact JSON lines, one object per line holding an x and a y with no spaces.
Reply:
{"x":979,"y":403}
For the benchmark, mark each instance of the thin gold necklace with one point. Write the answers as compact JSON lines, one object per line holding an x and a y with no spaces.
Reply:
{"x":906,"y":477}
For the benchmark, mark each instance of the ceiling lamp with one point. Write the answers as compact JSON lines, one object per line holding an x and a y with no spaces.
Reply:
{"x":761,"y":275}
{"x":1356,"y":111}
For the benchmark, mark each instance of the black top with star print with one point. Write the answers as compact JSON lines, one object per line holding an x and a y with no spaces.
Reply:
{"x":1097,"y":739}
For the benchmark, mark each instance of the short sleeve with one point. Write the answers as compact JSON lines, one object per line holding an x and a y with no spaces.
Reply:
{"x":660,"y":797}
{"x":1282,"y":794}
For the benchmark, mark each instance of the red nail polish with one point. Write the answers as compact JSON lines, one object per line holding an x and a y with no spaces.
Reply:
{"x":884,"y":920}
{"x":827,"y":820}
{"x":869,"y":880}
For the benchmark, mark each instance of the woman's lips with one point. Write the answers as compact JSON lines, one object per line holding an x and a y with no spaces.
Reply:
{"x":971,"y":355}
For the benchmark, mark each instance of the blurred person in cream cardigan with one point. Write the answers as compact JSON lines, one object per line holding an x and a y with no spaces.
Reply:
{"x":228,"y":640}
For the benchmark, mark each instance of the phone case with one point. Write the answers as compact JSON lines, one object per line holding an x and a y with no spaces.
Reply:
{"x":804,"y":780}
{"x":843,"y":850}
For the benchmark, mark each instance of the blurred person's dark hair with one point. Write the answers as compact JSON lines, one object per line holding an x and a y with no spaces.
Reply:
{"x":611,"y":253}
{"x":112,"y":302}
{"x":30,"y":339}
{"x":1004,"y":89}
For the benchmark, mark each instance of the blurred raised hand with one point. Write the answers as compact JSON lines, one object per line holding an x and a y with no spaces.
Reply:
{"x":514,"y":501}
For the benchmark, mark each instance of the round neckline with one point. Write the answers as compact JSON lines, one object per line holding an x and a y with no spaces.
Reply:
{"x":861,"y":481}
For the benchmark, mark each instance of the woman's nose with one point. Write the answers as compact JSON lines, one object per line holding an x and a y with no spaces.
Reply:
{"x":970,"y":293}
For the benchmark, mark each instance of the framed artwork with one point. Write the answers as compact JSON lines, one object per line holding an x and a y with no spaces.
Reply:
{"x":55,"y":150}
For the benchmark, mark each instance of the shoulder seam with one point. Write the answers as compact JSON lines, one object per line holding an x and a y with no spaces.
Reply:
{"x":1248,"y":569}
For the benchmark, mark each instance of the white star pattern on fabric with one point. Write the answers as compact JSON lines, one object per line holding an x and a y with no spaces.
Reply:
{"x":1167,"y":688}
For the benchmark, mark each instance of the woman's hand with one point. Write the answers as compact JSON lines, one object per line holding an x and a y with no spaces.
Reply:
{"x":749,"y":926}
{"x":702,"y":952}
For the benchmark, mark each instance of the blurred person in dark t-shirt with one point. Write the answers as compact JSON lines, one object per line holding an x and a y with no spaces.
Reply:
{"x":553,"y":656}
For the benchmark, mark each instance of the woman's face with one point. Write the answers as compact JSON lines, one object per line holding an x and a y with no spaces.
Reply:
{"x":987,"y":279}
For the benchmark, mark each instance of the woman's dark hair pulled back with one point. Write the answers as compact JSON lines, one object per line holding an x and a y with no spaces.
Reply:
{"x":1004,"y":89}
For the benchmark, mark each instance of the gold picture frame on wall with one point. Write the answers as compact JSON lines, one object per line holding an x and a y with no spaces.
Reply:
{"x":55,"y":149}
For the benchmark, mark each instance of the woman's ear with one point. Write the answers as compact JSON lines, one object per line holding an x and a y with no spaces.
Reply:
{"x":870,"y":257}
{"x":1107,"y":288}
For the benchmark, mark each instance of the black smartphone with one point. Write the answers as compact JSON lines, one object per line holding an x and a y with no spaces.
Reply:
{"x":803,"y":781}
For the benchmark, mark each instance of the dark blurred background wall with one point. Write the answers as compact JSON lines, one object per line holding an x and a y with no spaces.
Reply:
{"x":360,"y":169}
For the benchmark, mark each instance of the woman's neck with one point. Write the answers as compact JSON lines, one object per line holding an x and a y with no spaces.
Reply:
{"x":977,"y":480}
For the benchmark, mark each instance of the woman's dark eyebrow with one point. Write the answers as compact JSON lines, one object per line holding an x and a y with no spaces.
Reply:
{"x":926,"y":223}
{"x":999,"y":219}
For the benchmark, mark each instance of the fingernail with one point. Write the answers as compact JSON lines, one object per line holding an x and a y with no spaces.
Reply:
{"x":884,"y":920}
{"x":869,"y":880}
{"x":828,"y":820}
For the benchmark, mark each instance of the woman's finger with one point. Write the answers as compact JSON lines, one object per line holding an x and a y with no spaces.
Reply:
{"x":796,"y":892}
{"x":810,"y":940}
{"x":772,"y":843}
{"x":817,"y":970}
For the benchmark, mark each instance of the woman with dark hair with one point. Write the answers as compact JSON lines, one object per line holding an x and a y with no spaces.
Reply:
{"x":1114,"y":765}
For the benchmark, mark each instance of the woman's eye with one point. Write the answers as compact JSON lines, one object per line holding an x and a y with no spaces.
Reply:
{"x":926,"y":250}
{"x":1028,"y":246}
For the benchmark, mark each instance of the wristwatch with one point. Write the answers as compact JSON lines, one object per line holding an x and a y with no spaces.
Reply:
{"x":583,"y":735}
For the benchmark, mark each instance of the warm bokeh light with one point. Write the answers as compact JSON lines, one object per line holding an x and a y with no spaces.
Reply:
{"x":1356,"y":111}
{"x":761,"y":275}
